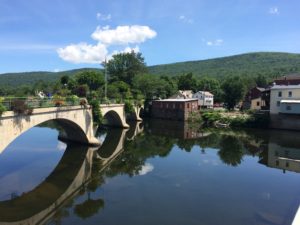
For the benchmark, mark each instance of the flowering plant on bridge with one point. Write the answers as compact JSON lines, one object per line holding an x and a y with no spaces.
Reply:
{"x":58,"y":100}
{"x":20,"y":106}
{"x":83,"y":102}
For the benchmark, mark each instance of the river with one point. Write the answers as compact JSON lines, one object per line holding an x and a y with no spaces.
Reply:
{"x":156,"y":172}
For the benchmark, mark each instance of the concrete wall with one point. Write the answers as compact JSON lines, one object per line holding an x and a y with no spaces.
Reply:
{"x":284,"y":121}
{"x":256,"y":104}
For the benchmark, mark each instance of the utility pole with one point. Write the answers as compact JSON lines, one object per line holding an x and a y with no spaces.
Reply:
{"x":105,"y":77}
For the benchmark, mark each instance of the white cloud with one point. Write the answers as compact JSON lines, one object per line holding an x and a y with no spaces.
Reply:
{"x":126,"y":50}
{"x":106,"y":37}
{"x":56,"y":70}
{"x":217,"y":42}
{"x":147,"y":168}
{"x":185,"y":19}
{"x":123,"y":35}
{"x":83,"y":53}
{"x":274,"y":10}
{"x":103,"y":17}
{"x":61,"y":146}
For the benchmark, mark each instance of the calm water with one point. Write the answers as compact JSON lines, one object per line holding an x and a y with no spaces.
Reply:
{"x":156,"y":173}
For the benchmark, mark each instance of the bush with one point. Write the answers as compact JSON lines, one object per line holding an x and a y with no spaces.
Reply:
{"x":128,"y":107}
{"x":20,"y":106}
{"x":97,"y":115}
{"x":2,"y":109}
{"x":211,"y":117}
{"x":72,"y":99}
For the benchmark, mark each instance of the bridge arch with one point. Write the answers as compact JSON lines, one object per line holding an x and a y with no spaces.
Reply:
{"x":77,"y":123}
{"x":115,"y":115}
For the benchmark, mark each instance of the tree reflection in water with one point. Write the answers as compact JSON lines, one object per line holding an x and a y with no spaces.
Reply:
{"x":231,"y":150}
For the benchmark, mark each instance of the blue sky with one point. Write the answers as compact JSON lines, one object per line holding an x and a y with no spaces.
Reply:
{"x":56,"y":35}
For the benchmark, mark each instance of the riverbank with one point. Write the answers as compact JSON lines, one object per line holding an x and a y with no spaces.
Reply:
{"x":230,"y":119}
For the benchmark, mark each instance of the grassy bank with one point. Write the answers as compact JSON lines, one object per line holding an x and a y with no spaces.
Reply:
{"x":230,"y":119}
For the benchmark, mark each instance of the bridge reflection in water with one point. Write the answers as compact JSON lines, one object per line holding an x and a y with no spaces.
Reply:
{"x":73,"y":174}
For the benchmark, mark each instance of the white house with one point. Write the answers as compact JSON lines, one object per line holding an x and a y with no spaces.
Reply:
{"x":285,"y":99}
{"x":205,"y":99}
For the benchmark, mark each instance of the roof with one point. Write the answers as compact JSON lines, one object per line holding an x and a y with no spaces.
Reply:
{"x":205,"y":93}
{"x":177,"y":100}
{"x":295,"y":101}
{"x":289,"y":77}
{"x":185,"y":91}
{"x":260,"y":89}
{"x":285,"y":87}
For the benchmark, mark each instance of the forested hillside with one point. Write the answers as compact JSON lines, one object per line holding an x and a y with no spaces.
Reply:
{"x":29,"y":78}
{"x":251,"y":65}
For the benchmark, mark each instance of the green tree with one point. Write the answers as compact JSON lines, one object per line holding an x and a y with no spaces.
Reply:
{"x":94,"y":80}
{"x":125,"y":66}
{"x":64,"y":80}
{"x":150,"y":86}
{"x":187,"y":82}
{"x":261,"y":80}
{"x":212,"y":85}
{"x":234,"y":90}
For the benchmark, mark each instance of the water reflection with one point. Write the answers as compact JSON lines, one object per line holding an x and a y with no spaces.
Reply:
{"x":146,"y":169}
{"x":33,"y":207}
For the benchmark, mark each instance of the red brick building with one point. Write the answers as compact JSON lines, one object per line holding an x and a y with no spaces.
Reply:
{"x":291,"y":79}
{"x":174,"y":109}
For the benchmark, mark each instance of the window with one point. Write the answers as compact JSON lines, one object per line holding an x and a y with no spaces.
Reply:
{"x":278,"y":103}
{"x":288,"y":107}
{"x":188,"y":105}
{"x":290,"y":94}
{"x":287,"y":164}
{"x":257,"y":103}
{"x":279,"y":94}
{"x":277,"y":163}
{"x":173,"y":105}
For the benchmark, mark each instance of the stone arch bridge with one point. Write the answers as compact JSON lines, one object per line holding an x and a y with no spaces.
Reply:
{"x":76,"y":121}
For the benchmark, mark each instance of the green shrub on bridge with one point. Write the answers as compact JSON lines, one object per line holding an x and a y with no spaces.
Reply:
{"x":2,"y":107}
{"x":97,"y":115}
{"x":128,"y":106}
{"x":72,"y":99}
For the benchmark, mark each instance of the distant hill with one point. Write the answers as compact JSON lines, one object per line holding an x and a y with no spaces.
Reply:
{"x":17,"y":79}
{"x":251,"y":64}
{"x":269,"y":64}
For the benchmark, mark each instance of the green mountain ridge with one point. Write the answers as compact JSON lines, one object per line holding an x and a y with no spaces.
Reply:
{"x":269,"y":64}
